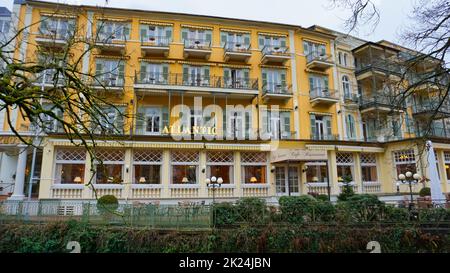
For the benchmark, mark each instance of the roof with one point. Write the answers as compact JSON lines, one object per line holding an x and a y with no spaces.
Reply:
{"x":291,"y":26}
{"x":4,"y":12}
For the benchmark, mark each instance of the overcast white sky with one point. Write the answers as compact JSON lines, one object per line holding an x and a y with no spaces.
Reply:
{"x":394,"y":14}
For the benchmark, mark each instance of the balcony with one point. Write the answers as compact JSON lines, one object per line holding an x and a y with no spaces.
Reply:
{"x":434,"y":131}
{"x":197,"y":48}
{"x":49,"y":79}
{"x":380,"y":68}
{"x":323,"y":97}
{"x":56,"y":39}
{"x":319,"y":61}
{"x":195,"y":84}
{"x":431,"y":110}
{"x":380,"y":102}
{"x":351,"y":99}
{"x":155,"y":46}
{"x":427,"y":81}
{"x":111,"y":43}
{"x":324,"y":137}
{"x":275,"y":55}
{"x":276,"y":91}
{"x":108,"y":82}
{"x":237,"y":52}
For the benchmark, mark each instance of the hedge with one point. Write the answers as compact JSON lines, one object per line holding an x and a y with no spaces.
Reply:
{"x":53,"y":237}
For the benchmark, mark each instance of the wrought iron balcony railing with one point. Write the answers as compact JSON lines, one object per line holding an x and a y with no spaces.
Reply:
{"x":276,"y":88}
{"x":318,"y":56}
{"x":109,"y":80}
{"x":275,"y":50}
{"x":49,"y":77}
{"x":236,"y":47}
{"x":381,"y":65}
{"x":351,"y":97}
{"x":160,"y":41}
{"x":324,"y":137}
{"x":431,"y":106}
{"x":197,"y":44}
{"x":196,"y":80}
{"x":319,"y":92}
{"x":55,"y":34}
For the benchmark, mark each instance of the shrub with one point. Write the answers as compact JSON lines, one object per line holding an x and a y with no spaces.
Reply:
{"x":347,"y":189}
{"x":225,"y":214}
{"x":107,"y":203}
{"x":322,"y":197}
{"x":251,"y":210}
{"x":296,"y":209}
{"x":360,"y":208}
{"x":425,"y":191}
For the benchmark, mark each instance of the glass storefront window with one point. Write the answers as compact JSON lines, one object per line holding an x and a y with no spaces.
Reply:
{"x":224,"y":171}
{"x":220,"y":164}
{"x":254,"y":168}
{"x":110,"y":166}
{"x":184,"y":167}
{"x":316,"y":172}
{"x":147,"y":166}
{"x":255,"y":174}
{"x":70,"y":166}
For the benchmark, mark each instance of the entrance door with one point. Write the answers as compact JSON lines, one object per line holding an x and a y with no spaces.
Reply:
{"x":287,"y":183}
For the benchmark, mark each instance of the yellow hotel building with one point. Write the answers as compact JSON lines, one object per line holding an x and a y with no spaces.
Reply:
{"x":334,"y":120}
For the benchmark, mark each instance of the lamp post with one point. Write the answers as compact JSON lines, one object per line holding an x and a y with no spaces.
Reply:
{"x":214,"y":183}
{"x":410,"y":179}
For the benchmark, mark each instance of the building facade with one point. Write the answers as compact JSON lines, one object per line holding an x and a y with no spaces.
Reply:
{"x":270,"y":109}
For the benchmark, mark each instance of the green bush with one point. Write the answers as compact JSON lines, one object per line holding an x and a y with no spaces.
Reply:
{"x":300,"y":209}
{"x":425,"y":191}
{"x":252,"y":210}
{"x":360,"y":208}
{"x":107,"y":203}
{"x":225,"y":214}
{"x":322,"y":197}
{"x":347,"y":189}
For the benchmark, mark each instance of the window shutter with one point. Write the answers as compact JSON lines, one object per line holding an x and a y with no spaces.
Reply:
{"x":248,"y":125}
{"x":311,"y":85}
{"x":325,"y":81}
{"x":283,"y":79}
{"x":140,"y":119}
{"x":205,"y":71}
{"x":185,"y":74}
{"x":126,"y":32}
{"x":247,"y":78}
{"x":313,"y":126}
{"x":121,"y":70}
{"x":119,"y":120}
{"x":264,"y":79}
{"x":306,"y":48}
{"x":328,"y":124}
{"x":165,"y":117}
{"x":286,"y":124}
{"x":143,"y":71}
{"x":247,"y":40}
{"x":261,"y":42}
{"x":226,"y":76}
{"x":283,"y":42}
{"x":322,"y":50}
{"x":169,"y":34}
{"x":224,"y":124}
{"x":265,"y":121}
{"x":165,"y":72}
{"x":208,"y":37}
{"x":184,"y":34}
{"x":223,"y":38}
{"x":144,"y":35}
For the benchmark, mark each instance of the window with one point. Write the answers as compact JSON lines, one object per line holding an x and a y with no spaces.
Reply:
{"x":272,"y":44}
{"x":57,"y":28}
{"x":110,"y":166}
{"x":184,"y":167}
{"x":314,"y":51}
{"x":235,"y":41}
{"x":317,"y":172}
{"x":369,"y":168}
{"x":447,"y":165}
{"x":220,"y":164}
{"x":344,"y":162}
{"x":158,"y":35}
{"x":109,"y":31}
{"x":321,"y":127}
{"x":351,"y":130}
{"x":109,"y":73}
{"x":274,"y":81}
{"x":110,"y":122}
{"x":151,"y":120}
{"x":340,"y":58}
{"x":196,"y":75}
{"x":236,"y":78}
{"x":237,"y":124}
{"x":196,"y":38}
{"x":152,"y":73}
{"x":404,"y":161}
{"x":254,"y":168}
{"x":318,"y":86}
{"x":345,"y":59}
{"x":277,"y":124}
{"x":70,"y":166}
{"x":147,"y":167}
{"x":346,"y":86}
{"x":47,"y":123}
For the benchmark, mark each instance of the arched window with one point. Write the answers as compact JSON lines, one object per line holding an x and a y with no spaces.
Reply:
{"x":346,"y":86}
{"x":351,"y":132}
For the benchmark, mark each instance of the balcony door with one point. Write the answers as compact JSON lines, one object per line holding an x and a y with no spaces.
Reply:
{"x":236,"y":78}
{"x":274,"y":81}
{"x":196,"y":75}
{"x":154,"y":73}
{"x":153,"y":121}
{"x":320,"y":127}
{"x":318,"y":86}
{"x":287,"y":180}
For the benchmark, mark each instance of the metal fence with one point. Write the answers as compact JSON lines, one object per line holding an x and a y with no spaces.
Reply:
{"x":149,"y":215}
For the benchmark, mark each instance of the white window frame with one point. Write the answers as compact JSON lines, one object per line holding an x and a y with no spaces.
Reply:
{"x":113,"y":162}
{"x":367,"y":164}
{"x":244,"y":164}
{"x":66,"y":162}
{"x":222,"y":163}
{"x":148,"y":163}
{"x":185,"y":163}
